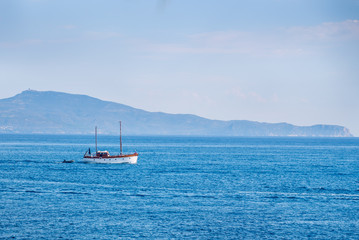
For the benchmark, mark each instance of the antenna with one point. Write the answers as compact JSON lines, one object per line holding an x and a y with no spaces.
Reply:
{"x":96,"y":138}
{"x":120,"y":138}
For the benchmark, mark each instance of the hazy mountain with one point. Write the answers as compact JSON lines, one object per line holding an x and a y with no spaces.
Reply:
{"x":55,"y":112}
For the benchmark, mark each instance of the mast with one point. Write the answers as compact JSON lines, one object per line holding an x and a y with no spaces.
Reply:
{"x":120,"y":139}
{"x":96,"y":137}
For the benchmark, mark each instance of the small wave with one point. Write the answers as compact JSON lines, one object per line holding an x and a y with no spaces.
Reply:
{"x":31,"y":161}
{"x":350,"y":198}
{"x":196,"y":196}
{"x":72,"y":192}
{"x":272,"y":197}
{"x":33,"y":191}
{"x":141,"y":195}
{"x":340,"y":174}
{"x":292,"y":197}
{"x":296,"y":194}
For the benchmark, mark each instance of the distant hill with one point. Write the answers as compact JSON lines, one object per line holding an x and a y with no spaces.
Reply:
{"x":62,"y":113}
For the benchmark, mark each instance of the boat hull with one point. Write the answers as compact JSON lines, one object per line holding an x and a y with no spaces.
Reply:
{"x":131,"y":159}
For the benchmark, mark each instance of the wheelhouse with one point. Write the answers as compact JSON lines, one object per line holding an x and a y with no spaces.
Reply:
{"x":102,"y":154}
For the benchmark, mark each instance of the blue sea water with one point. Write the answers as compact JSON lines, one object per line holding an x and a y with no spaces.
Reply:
{"x":182,"y":187}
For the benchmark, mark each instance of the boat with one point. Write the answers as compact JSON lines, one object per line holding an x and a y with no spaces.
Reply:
{"x":105,"y":157}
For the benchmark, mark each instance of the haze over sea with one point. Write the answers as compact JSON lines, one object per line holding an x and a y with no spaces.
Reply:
{"x":182,"y":187}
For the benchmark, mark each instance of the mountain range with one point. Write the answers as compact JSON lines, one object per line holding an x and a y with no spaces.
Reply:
{"x":48,"y":112}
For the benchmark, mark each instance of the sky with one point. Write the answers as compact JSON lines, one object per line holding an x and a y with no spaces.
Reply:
{"x":294,"y":61}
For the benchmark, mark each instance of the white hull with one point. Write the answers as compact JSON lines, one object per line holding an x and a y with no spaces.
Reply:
{"x":124,"y":159}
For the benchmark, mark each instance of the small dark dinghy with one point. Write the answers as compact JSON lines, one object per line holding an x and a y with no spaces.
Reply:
{"x":68,"y":161}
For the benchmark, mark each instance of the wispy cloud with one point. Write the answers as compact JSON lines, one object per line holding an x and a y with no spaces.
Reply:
{"x":230,"y":42}
{"x":293,"y":41}
{"x":253,"y":96}
{"x":197,"y":97}
{"x":346,"y":30}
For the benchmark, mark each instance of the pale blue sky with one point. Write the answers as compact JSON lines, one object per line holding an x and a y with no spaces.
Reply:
{"x":290,"y":61}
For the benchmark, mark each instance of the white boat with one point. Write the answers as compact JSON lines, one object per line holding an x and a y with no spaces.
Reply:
{"x":105,"y":157}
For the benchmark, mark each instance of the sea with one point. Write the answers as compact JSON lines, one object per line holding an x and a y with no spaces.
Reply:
{"x":181,"y":188}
